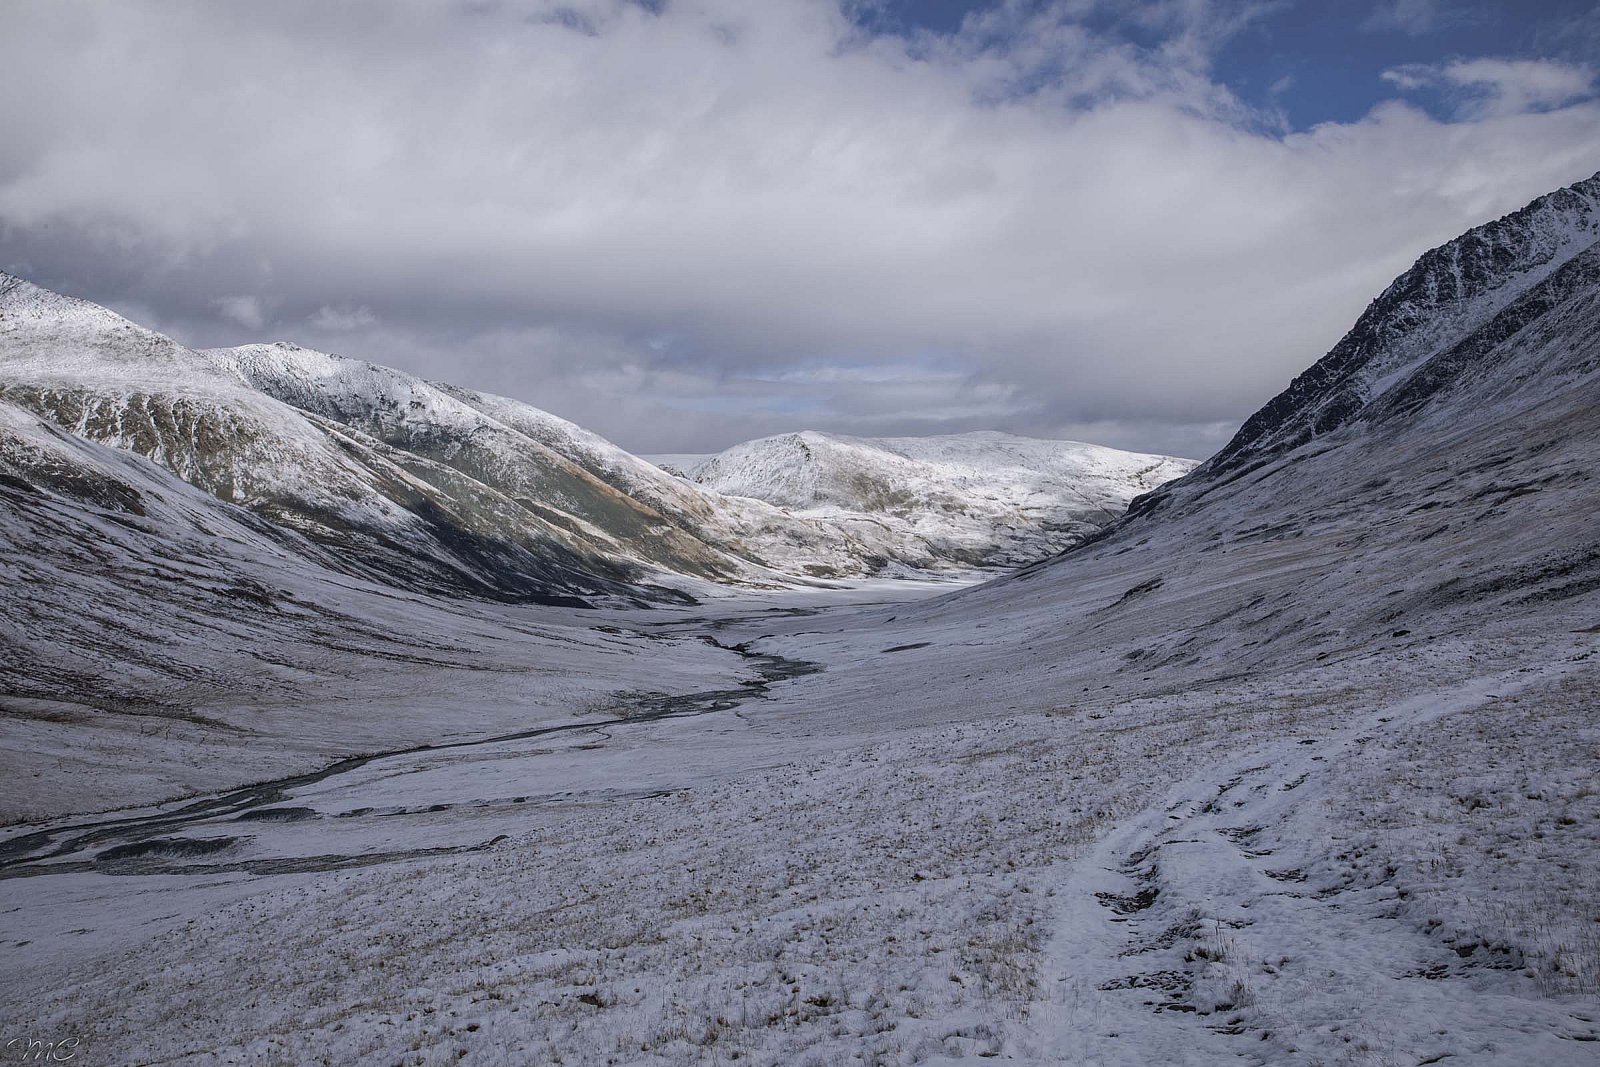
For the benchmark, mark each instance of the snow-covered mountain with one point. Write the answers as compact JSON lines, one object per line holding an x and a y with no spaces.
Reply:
{"x":372,"y":509}
{"x":464,"y":443}
{"x":436,"y":488}
{"x":982,"y":498}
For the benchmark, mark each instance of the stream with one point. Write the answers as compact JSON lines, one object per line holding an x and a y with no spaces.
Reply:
{"x":146,"y":844}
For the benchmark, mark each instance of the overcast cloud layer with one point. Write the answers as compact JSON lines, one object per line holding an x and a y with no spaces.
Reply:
{"x":689,"y":223}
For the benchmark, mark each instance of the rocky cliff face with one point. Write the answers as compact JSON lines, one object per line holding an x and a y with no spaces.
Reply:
{"x":1453,"y":305}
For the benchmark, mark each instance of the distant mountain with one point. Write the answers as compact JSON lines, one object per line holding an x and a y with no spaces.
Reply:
{"x":984,"y":499}
{"x":433,"y":488}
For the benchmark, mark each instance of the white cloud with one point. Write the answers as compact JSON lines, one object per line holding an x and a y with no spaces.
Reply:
{"x":1414,"y":17}
{"x":340,"y":319}
{"x":1522,"y":84}
{"x":1492,"y":86}
{"x":1411,"y":77}
{"x":643,"y":227}
{"x":244,"y":310}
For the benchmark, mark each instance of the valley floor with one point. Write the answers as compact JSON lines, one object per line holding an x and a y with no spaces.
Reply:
{"x":1392,"y":857}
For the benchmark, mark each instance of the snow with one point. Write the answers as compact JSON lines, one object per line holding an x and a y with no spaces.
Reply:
{"x":686,"y":463}
{"x":1446,"y":298}
{"x":768,"y":884}
{"x":1228,"y":897}
{"x":158,"y":640}
{"x":983,"y":497}
{"x":1552,"y":239}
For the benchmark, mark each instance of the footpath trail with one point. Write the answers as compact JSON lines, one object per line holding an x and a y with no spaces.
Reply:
{"x":1193,"y":932}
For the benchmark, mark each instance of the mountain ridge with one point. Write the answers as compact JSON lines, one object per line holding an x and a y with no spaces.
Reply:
{"x":984,"y":495}
{"x":1451,"y":290}
{"x":435,"y":487}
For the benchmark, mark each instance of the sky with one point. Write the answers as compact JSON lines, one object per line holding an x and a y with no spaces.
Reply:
{"x":687,"y":223}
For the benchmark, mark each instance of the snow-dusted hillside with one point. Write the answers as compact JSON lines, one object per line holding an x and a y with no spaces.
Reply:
{"x":1456,"y":495}
{"x":462,"y":442}
{"x":155,"y":640}
{"x":984,"y":498}
{"x":373,"y":510}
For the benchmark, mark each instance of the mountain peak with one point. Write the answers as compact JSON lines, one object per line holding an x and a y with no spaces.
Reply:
{"x":23,"y":303}
{"x":985,"y":497}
